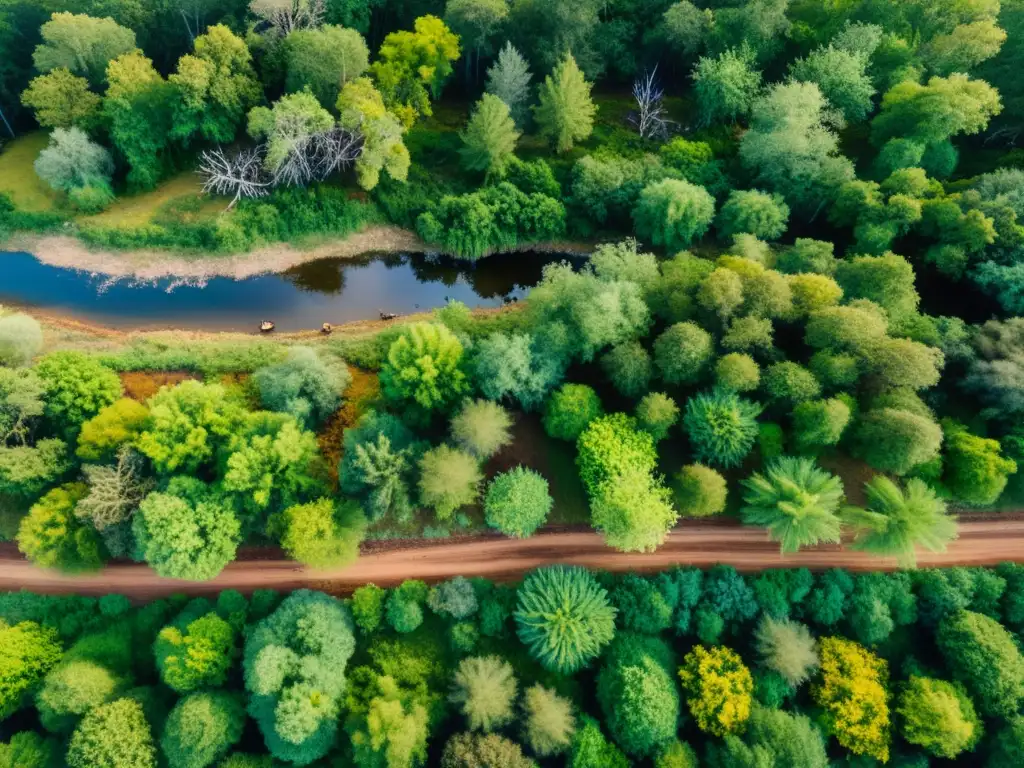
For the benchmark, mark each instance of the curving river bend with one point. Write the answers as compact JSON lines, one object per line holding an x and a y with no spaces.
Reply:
{"x":304,"y":297}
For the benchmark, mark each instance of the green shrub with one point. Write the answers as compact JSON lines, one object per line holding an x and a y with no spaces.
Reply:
{"x":517,"y":502}
{"x":657,"y":413}
{"x":700,"y":491}
{"x":570,"y":410}
{"x":609,"y":447}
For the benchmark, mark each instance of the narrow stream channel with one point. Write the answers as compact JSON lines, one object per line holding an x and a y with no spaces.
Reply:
{"x":305,"y":297}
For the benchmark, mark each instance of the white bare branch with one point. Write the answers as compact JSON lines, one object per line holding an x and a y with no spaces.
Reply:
{"x":334,"y":150}
{"x":289,"y":15}
{"x":649,"y":119}
{"x":236,"y":176}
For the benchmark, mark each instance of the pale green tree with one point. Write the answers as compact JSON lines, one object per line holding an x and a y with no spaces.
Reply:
{"x":490,"y":137}
{"x":362,"y":108}
{"x":509,"y":79}
{"x":565,"y":112}
{"x":81,"y":44}
{"x":60,"y":99}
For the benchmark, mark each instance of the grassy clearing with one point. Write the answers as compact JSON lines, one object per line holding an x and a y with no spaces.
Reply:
{"x":18,"y":178}
{"x":138,"y":210}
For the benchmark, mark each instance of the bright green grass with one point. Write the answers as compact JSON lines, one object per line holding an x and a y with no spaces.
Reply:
{"x":140,"y":209}
{"x":18,"y":178}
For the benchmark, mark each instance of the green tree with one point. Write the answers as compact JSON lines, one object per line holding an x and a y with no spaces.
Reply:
{"x":685,"y":27}
{"x":475,"y":22}
{"x":405,"y":606}
{"x":633,"y":511}
{"x":938,"y":716}
{"x":21,"y":339}
{"x":394,"y":731}
{"x":361,"y":107}
{"x":77,"y":388}
{"x":71,"y":161}
{"x":772,"y":737}
{"x":563,"y":617}
{"x":975,"y":469}
{"x":81,"y":44}
{"x":726,"y":86}
{"x":718,"y":689}
{"x":304,"y":384}
{"x":841,"y":76}
{"x":936,"y":111}
{"x":21,"y":403}
{"x":673,"y":213}
{"x":514,"y":366}
{"x":548,"y":721}
{"x":368,"y":607}
{"x":271,"y":463}
{"x":570,"y":410}
{"x":294,"y":663}
{"x":213,"y":87}
{"x":27,"y":749}
{"x":60,"y":99}
{"x":722,"y":427}
{"x":610,"y":447}
{"x":449,"y":479}
{"x":202,"y":728}
{"x":590,"y":748}
{"x":188,"y":425}
{"x":51,"y":536}
{"x":1008,"y":744}
{"x":682,"y":352}
{"x":517,"y":502}
{"x":700,"y":491}
{"x":410,"y":63}
{"x":423,"y":370}
{"x":25,"y":472}
{"x":788,"y":648}
{"x":322,"y":533}
{"x":657,"y":413}
{"x":114,"y":735}
{"x":755,"y":212}
{"x":896,"y":440}
{"x":796,"y":501}
{"x":565,"y":112}
{"x":484,"y":689}
{"x":887,"y":280}
{"x":964,"y":48}
{"x":628,"y":368}
{"x":196,"y":654}
{"x":820,"y":423}
{"x":738,"y":372}
{"x":28,"y":652}
{"x":137,"y":106}
{"x":468,"y":750}
{"x":983,"y":656}
{"x":114,"y":426}
{"x":71,"y":690}
{"x":482,"y":427}
{"x":323,"y":60}
{"x":897,"y":521}
{"x":186,"y":532}
{"x":637,"y":695}
{"x":790,"y":149}
{"x":790,"y":383}
{"x":287,"y":126}
{"x":509,"y":79}
{"x":490,"y":137}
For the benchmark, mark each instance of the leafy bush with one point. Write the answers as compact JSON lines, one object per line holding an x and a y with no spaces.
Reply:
{"x":481,"y":428}
{"x":21,"y":339}
{"x":700,"y":491}
{"x":718,"y":689}
{"x":609,"y":447}
{"x":673,"y":213}
{"x":657,"y":413}
{"x":423,"y":372}
{"x":570,"y":410}
{"x":682,"y":352}
{"x":304,"y":385}
{"x":484,"y":689}
{"x":449,"y":479}
{"x":755,"y":212}
{"x":517,"y":502}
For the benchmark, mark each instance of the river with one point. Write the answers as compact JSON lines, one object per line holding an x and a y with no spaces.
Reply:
{"x":304,"y":297}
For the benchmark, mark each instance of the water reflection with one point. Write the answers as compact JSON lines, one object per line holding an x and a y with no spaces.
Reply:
{"x":327,"y":290}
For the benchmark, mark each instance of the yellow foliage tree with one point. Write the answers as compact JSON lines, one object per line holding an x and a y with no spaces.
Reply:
{"x":852,"y":691}
{"x":718,"y":688}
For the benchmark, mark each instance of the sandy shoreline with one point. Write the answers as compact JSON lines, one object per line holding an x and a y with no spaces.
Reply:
{"x":70,"y":253}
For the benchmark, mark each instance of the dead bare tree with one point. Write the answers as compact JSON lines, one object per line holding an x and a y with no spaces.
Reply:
{"x":289,"y":15}
{"x":115,"y":491}
{"x":334,"y":150}
{"x":649,"y":118}
{"x":238,"y":175}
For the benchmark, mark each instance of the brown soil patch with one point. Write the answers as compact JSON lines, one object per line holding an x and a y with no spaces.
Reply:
{"x":142,"y":385}
{"x":359,"y":398}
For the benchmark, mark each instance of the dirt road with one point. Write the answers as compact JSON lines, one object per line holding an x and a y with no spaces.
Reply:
{"x":984,"y":542}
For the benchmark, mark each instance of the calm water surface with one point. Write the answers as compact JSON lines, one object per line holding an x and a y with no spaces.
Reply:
{"x":328,"y":290}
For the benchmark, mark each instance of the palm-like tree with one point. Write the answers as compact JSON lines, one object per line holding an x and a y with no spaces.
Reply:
{"x":796,"y":501}
{"x":897,"y":520}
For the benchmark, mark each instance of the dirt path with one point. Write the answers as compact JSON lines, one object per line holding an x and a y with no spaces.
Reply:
{"x":986,"y":542}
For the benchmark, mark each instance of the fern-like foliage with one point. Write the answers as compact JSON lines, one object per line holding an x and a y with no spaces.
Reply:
{"x":796,"y":501}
